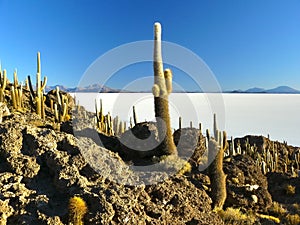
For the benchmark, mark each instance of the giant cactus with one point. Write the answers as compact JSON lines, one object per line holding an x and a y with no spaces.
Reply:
{"x":161,"y":89}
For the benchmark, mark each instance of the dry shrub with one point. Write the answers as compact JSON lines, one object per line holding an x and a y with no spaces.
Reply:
{"x":236,"y":217}
{"x":296,"y":207}
{"x":293,"y":219}
{"x":290,"y":189}
{"x":277,"y":209}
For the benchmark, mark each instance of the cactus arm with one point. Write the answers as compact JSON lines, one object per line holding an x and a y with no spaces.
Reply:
{"x":168,"y":79}
{"x":43,"y":84}
{"x":58,"y":96}
{"x":155,"y":90}
{"x":16,"y":83}
{"x":32,"y":94}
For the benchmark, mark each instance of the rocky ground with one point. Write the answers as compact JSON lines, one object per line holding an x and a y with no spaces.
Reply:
{"x":43,"y":164}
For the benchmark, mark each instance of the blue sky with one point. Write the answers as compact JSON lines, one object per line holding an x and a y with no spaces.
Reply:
{"x":249,"y":43}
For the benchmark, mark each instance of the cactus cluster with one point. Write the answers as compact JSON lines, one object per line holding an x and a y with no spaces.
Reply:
{"x":161,"y":89}
{"x":268,"y":160}
{"x":106,"y":124}
{"x":273,"y":158}
{"x":60,"y":107}
{"x":15,"y":90}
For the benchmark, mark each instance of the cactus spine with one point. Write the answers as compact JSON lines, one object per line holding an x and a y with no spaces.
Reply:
{"x":161,"y":89}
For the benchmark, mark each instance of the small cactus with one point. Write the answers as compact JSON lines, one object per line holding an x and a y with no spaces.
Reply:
{"x":215,"y":126}
{"x":134,"y":115}
{"x":77,"y":210}
{"x":232,"y":148}
{"x":180,"y":121}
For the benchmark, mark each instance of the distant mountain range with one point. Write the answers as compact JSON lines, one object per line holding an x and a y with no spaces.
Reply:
{"x":277,"y":90}
{"x":105,"y":89}
{"x":90,"y":88}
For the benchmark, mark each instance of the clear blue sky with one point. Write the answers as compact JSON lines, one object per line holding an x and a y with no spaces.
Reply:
{"x":249,"y":43}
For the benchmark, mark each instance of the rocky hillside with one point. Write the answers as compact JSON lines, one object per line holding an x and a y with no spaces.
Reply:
{"x":42,"y":167}
{"x":43,"y":163}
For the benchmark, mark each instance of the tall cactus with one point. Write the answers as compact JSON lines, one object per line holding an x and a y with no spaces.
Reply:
{"x":37,"y":97}
{"x":217,"y":176}
{"x":161,"y":89}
